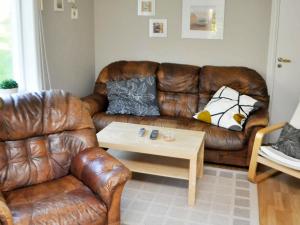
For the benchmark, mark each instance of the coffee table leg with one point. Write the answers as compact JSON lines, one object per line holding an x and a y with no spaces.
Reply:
{"x":200,"y":163}
{"x":192,"y":181}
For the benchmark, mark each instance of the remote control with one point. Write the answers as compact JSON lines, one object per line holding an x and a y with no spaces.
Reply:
{"x":154,"y":135}
{"x":142,"y":132}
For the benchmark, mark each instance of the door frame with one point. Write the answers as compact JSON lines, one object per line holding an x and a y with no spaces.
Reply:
{"x":272,"y":51}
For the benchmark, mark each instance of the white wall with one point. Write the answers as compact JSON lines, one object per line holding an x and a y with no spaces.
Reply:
{"x":121,"y":35}
{"x":70,"y":47}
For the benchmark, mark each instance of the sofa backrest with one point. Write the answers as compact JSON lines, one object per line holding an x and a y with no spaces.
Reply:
{"x":184,"y":90}
{"x":39,"y":135}
{"x":124,"y":70}
{"x":178,"y":88}
{"x":244,"y":80}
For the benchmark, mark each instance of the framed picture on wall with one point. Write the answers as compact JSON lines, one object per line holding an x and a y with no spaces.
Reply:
{"x":158,"y":28}
{"x":146,"y":7}
{"x":203,"y":19}
{"x":59,"y":5}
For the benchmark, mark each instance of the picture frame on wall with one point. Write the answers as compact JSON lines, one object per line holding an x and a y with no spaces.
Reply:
{"x":203,"y":19}
{"x":59,"y":5}
{"x":146,"y":7}
{"x":158,"y":28}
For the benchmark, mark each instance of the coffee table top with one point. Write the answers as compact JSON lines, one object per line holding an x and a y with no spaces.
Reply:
{"x":124,"y":136}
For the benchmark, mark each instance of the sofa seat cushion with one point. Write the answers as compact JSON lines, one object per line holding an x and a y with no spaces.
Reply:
{"x":216,"y":137}
{"x":64,"y":201}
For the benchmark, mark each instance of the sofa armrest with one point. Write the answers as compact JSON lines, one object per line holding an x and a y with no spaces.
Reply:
{"x":5,"y":214}
{"x":259,"y":118}
{"x":100,"y":172}
{"x":95,"y":103}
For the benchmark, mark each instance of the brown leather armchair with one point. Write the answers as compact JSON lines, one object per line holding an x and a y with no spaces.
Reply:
{"x":51,"y":170}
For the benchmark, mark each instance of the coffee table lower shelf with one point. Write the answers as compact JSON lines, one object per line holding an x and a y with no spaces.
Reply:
{"x":160,"y":166}
{"x":153,"y":165}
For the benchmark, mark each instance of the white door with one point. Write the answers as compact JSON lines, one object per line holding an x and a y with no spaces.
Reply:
{"x":286,"y":86}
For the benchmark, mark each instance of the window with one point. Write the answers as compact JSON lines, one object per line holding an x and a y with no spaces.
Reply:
{"x":21,"y":44}
{"x":6,"y":40}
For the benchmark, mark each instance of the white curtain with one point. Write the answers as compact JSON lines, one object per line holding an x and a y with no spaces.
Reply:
{"x":30,"y":59}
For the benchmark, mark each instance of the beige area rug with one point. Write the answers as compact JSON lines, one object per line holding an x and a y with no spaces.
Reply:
{"x":224,"y":197}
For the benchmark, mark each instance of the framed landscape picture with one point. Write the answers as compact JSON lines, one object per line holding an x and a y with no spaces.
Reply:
{"x":203,"y":19}
{"x":158,"y":28}
{"x":146,"y":7}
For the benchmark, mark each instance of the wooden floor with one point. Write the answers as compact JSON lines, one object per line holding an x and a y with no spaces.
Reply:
{"x":279,"y":200}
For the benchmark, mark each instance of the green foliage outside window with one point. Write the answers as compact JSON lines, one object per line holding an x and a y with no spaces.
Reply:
{"x":6,"y":65}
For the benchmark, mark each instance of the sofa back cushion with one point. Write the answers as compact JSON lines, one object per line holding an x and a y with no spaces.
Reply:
{"x":178,"y":87}
{"x":124,"y":70}
{"x":242,"y":79}
{"x":40,"y":133}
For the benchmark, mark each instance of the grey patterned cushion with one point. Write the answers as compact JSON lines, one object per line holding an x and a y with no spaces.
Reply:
{"x":289,"y":141}
{"x":136,"y":96}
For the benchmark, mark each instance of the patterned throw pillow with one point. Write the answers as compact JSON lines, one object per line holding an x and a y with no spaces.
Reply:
{"x":289,"y":141}
{"x":228,"y":109}
{"x":136,"y":96}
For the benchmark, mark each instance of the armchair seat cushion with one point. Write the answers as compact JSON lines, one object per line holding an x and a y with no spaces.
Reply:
{"x":216,"y":137}
{"x":279,"y":157}
{"x":64,"y":201}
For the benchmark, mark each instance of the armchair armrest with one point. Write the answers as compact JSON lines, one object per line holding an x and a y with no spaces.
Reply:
{"x":267,"y":130}
{"x":256,"y":147}
{"x":261,"y":134}
{"x":270,"y":129}
{"x":5,"y":214}
{"x":95,"y":103}
{"x":100,"y":172}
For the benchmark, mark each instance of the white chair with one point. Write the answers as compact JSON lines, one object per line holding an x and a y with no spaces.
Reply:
{"x":269,"y":157}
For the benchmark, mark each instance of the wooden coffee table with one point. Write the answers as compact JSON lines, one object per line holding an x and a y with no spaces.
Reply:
{"x":181,"y":158}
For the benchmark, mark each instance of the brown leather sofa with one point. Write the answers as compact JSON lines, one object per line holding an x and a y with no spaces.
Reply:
{"x":51,"y":169}
{"x":182,"y":91}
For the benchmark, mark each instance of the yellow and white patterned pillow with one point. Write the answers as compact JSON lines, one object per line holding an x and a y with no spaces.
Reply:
{"x":228,"y":109}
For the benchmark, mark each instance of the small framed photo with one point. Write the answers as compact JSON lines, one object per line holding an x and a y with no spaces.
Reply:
{"x":59,"y":5}
{"x":146,"y":7}
{"x":203,"y":19}
{"x":42,"y":5}
{"x":158,"y":28}
{"x":74,"y":13}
